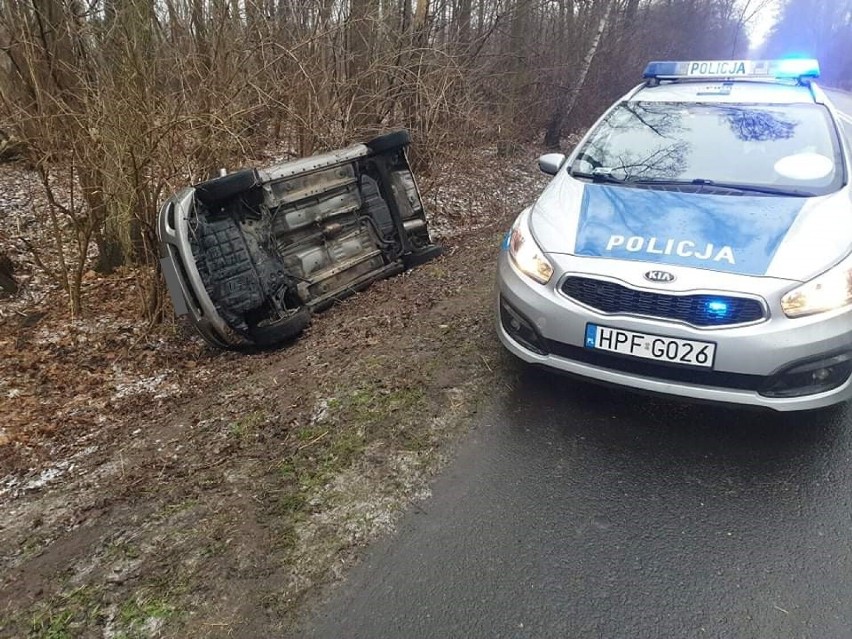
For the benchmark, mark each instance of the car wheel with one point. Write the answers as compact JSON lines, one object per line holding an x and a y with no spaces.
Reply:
{"x":225,"y":187}
{"x":390,"y":141}
{"x":280,"y":330}
{"x":421,"y":256}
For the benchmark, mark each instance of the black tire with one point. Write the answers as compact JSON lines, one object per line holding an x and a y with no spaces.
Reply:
{"x":421,"y":256}
{"x":281,"y":330}
{"x":226,"y":187}
{"x":390,"y":141}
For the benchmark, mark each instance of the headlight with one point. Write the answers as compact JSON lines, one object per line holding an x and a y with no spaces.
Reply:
{"x":828,"y":292}
{"x":526,"y":254}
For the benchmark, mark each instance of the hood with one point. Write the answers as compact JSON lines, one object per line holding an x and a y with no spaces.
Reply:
{"x":785,"y":237}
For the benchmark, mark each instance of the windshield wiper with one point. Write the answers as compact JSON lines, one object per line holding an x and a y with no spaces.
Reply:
{"x":603,"y":174}
{"x":745,"y":188}
{"x":599,"y":174}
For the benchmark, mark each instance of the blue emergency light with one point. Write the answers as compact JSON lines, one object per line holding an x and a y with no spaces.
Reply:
{"x":717,"y":308}
{"x":791,"y":68}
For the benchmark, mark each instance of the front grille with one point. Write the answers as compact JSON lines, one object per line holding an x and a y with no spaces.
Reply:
{"x":698,"y":310}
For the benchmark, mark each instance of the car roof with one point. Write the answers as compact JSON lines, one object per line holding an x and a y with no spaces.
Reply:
{"x":743,"y":91}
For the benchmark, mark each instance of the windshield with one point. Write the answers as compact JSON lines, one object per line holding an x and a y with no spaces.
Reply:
{"x":791,"y":148}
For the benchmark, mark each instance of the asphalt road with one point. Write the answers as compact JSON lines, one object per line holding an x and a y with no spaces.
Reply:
{"x":575,"y":511}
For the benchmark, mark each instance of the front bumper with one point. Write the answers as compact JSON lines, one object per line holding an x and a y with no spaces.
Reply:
{"x":749,"y":359}
{"x":186,"y":288}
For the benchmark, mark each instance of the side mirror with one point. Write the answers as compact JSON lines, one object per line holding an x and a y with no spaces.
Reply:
{"x":550,"y":162}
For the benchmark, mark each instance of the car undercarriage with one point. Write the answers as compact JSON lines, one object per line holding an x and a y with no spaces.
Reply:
{"x":250,"y":255}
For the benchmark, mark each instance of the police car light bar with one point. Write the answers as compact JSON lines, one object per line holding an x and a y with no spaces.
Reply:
{"x":793,"y":68}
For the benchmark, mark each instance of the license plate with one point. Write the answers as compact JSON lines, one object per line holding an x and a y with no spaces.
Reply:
{"x":685,"y":352}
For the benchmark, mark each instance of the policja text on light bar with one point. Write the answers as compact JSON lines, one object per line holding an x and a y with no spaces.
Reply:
{"x":731,"y":69}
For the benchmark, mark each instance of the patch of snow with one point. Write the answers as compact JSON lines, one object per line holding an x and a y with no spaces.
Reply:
{"x":152,"y":626}
{"x":320,"y":412}
{"x":14,"y":487}
{"x":111,"y":630}
{"x":152,"y":385}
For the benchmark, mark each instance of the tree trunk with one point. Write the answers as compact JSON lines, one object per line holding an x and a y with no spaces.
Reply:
{"x":464,"y":15}
{"x":419,"y":38}
{"x":360,"y":35}
{"x":517,"y":74}
{"x":110,"y":253}
{"x":568,"y":97}
{"x":419,"y":28}
{"x":7,"y":275}
{"x":406,"y":16}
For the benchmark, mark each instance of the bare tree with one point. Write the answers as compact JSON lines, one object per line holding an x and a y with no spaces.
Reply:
{"x":118,"y":102}
{"x":574,"y":81}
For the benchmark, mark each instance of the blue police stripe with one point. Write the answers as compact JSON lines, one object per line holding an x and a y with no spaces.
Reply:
{"x":737,"y":234}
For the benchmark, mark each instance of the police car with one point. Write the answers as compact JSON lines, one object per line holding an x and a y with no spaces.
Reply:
{"x":695,"y":243}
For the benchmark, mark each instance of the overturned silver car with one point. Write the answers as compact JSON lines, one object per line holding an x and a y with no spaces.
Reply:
{"x":249,"y":255}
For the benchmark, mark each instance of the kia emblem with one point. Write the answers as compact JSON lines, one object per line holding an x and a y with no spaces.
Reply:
{"x":662,"y":277}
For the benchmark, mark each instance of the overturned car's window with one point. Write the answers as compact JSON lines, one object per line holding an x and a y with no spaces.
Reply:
{"x":781,"y":147}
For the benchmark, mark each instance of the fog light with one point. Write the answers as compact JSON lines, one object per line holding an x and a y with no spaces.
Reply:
{"x":809,"y":378}
{"x":520,"y":328}
{"x":821,"y":375}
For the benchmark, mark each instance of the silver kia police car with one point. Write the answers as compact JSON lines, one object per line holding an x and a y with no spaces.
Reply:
{"x":696,"y":243}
